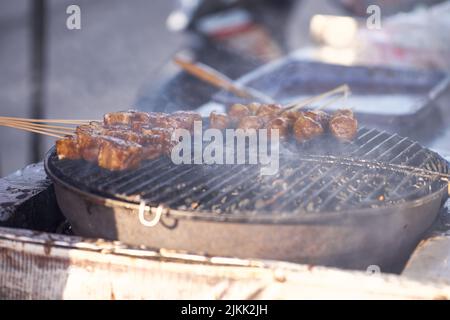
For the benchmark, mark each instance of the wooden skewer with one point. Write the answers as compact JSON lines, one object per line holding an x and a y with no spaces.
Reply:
{"x":343,"y":88}
{"x":32,"y":130}
{"x":63,"y":121}
{"x":217,"y":79}
{"x":20,"y":126}
{"x":211,"y":76}
{"x":330,"y":102}
{"x":44,"y":126}
{"x":33,"y":127}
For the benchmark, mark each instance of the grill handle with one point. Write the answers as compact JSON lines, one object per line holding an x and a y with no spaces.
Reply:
{"x":156,"y":218}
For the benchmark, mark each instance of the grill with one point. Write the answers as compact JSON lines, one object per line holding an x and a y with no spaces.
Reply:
{"x":347,"y":205}
{"x":310,"y":179}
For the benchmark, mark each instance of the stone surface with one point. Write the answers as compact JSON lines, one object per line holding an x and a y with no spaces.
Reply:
{"x":431,"y":259}
{"x":27,"y":200}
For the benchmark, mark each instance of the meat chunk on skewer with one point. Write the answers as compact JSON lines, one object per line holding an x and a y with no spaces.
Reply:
{"x":126,"y":138}
{"x":268,"y":111}
{"x":344,"y":112}
{"x":219,"y":121}
{"x":254,"y":107}
{"x":238,"y":111}
{"x":121,"y":133}
{"x":67,"y":148}
{"x":88,"y":137}
{"x":158,"y":136}
{"x":186,"y":119}
{"x":281,"y":124}
{"x":319,"y":116}
{"x":305,"y":128}
{"x":125,"y":117}
{"x":343,"y":125}
{"x":251,"y":122}
{"x":117,"y":154}
{"x":291,"y":115}
{"x":151,"y":148}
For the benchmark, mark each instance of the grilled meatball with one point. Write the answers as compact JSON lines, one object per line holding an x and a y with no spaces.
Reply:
{"x":251,"y":122}
{"x":117,"y":154}
{"x":319,"y":116}
{"x":306,"y":128}
{"x":280,"y":123}
{"x":343,"y":127}
{"x":219,"y":121}
{"x":67,"y":148}
{"x":268,"y":111}
{"x":344,"y":112}
{"x":237,"y":112}
{"x":291,"y":115}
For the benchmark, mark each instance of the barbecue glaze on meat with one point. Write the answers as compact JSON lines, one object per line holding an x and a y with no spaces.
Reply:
{"x":125,"y":138}
{"x":306,"y":128}
{"x":118,"y":154}
{"x":304,"y":125}
{"x":343,"y":125}
{"x":219,"y":121}
{"x":67,"y":148}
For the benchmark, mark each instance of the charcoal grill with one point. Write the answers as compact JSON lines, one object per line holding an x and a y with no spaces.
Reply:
{"x":348,"y":205}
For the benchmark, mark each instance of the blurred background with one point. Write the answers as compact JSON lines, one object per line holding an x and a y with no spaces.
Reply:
{"x":121,"y":56}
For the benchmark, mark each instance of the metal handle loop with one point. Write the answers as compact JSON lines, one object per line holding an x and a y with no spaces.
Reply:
{"x":155,"y":219}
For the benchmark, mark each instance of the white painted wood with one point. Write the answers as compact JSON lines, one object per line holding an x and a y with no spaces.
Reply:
{"x":47,"y":266}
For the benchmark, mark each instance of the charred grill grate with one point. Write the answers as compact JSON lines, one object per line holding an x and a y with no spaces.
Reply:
{"x":307,"y":181}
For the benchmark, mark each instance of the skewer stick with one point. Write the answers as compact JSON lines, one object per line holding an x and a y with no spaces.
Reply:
{"x":298,"y":105}
{"x":330,"y":102}
{"x":38,"y":125}
{"x":217,"y":79}
{"x":32,"y":130}
{"x":211,"y":76}
{"x":63,"y":121}
{"x":56,"y":129}
{"x":28,"y":126}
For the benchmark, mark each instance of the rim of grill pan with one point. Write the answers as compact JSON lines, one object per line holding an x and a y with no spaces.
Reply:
{"x":300,"y":217}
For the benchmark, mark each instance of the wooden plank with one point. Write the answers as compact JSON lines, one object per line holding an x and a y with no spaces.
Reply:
{"x":46,"y":266}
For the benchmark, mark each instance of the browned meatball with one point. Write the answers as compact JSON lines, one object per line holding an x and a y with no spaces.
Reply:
{"x":344,"y":112}
{"x":219,"y":121}
{"x":251,"y":122}
{"x":319,"y":116}
{"x":269,"y":110}
{"x":237,"y":112}
{"x":306,"y":128}
{"x":343,"y":127}
{"x":291,"y":115}
{"x":280,"y":123}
